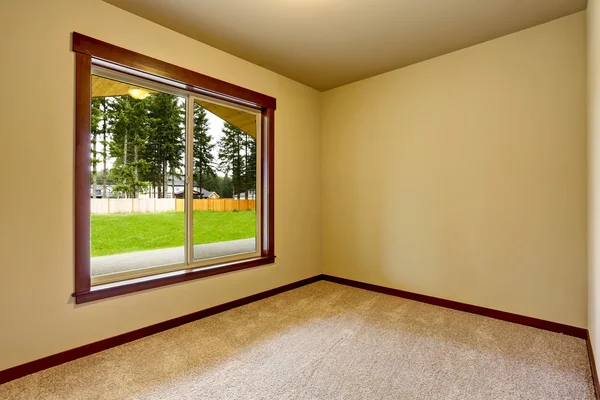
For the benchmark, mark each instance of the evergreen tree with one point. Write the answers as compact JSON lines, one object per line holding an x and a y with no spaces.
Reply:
{"x":203,"y":157}
{"x":213,"y":183}
{"x":250,"y":164}
{"x":166,"y":140}
{"x":105,"y":143}
{"x":129,"y":121}
{"x":95,"y":131}
{"x":225,"y":187}
{"x":231,"y":159}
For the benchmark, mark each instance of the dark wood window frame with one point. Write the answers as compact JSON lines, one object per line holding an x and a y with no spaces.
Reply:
{"x":90,"y":51}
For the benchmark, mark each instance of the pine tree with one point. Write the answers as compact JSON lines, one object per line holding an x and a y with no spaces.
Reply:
{"x":166,"y":139}
{"x":105,"y":143}
{"x":225,"y":187}
{"x":129,"y":137}
{"x":213,"y":183}
{"x":250,"y":164}
{"x":231,"y":158}
{"x":95,"y":131}
{"x":203,"y":157}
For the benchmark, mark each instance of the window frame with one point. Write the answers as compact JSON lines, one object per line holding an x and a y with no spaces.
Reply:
{"x":92,"y":52}
{"x":189,"y":261}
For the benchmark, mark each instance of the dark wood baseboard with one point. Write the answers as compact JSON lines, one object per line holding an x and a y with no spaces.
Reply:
{"x":593,"y":366}
{"x":96,"y":347}
{"x":455,"y":305}
{"x":488,"y":312}
{"x":73,"y":354}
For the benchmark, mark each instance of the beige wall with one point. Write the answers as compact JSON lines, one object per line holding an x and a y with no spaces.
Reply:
{"x":464,"y":177}
{"x":37,"y":314}
{"x":593,"y":74}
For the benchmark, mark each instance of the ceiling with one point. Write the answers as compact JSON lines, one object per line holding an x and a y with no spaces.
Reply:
{"x":328,"y":43}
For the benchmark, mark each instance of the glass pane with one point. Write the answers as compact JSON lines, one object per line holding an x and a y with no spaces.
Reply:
{"x":137,"y":186}
{"x":225,"y":181}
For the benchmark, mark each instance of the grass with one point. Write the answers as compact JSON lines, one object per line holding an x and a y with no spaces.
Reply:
{"x":125,"y":233}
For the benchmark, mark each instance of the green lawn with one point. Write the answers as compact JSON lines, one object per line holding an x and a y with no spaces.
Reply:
{"x":124,"y":233}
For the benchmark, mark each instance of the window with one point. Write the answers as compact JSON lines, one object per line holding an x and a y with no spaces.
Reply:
{"x":174,"y":173}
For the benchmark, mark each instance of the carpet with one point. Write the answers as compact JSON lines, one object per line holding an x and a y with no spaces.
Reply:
{"x":328,"y":341}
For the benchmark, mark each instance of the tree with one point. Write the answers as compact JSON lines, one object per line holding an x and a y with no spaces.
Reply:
{"x":110,"y":179}
{"x":203,"y":157}
{"x":166,"y":140}
{"x":129,"y":121}
{"x":95,"y":130}
{"x":230,"y":156}
{"x":213,"y":183}
{"x":105,"y":143}
{"x":249,"y":164}
{"x":225,"y":187}
{"x":100,"y":134}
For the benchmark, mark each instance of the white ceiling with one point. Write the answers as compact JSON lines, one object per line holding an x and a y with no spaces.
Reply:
{"x":328,"y":43}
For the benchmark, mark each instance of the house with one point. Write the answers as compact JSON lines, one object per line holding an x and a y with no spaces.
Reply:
{"x":251,"y":195}
{"x":178,"y":185}
{"x":204,"y":194}
{"x":425,"y":224}
{"x":110,"y":192}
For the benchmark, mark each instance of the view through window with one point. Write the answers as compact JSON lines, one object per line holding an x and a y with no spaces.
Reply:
{"x":174,"y":180}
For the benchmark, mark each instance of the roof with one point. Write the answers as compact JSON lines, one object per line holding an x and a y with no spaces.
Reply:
{"x":104,"y":87}
{"x":205,"y":193}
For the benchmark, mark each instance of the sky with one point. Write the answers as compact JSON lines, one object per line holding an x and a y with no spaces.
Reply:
{"x":215,"y":129}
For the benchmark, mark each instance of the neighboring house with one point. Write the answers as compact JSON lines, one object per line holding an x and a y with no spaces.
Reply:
{"x":99,"y":192}
{"x":205,"y":194}
{"x":178,"y":185}
{"x":251,"y":195}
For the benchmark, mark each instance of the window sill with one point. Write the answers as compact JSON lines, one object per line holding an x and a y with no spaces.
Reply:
{"x":149,"y":282}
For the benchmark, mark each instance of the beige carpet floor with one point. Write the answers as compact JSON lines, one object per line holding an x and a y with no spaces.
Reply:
{"x":328,"y":341}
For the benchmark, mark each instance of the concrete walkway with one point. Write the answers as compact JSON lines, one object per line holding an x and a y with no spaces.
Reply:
{"x":174,"y":255}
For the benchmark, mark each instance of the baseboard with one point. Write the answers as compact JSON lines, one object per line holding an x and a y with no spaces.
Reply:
{"x":73,"y":354}
{"x":593,"y":366}
{"x":488,"y":312}
{"x":96,"y":347}
{"x":455,"y":305}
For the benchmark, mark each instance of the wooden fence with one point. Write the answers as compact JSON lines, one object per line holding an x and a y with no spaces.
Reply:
{"x":219,"y":205}
{"x":128,"y":206}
